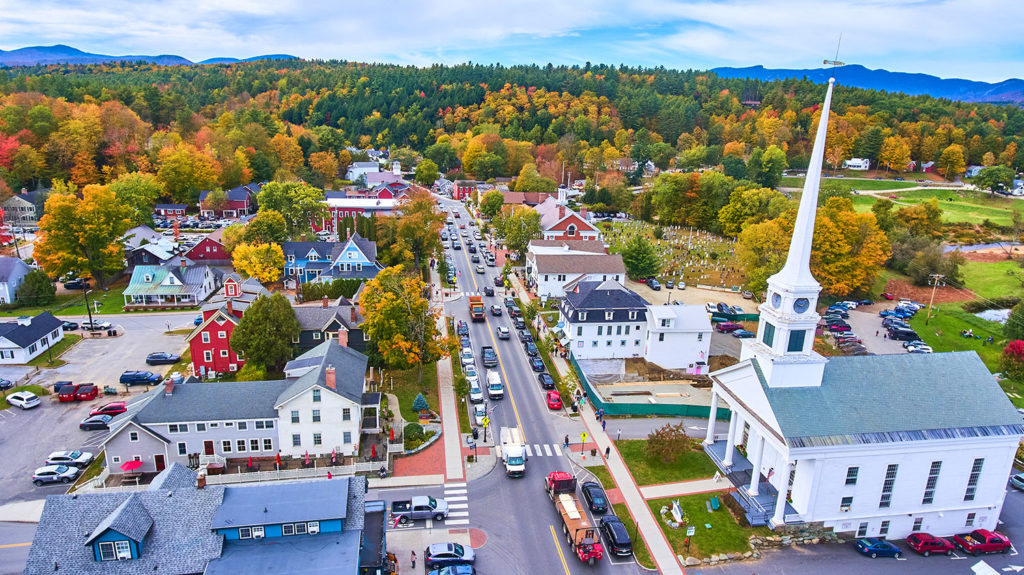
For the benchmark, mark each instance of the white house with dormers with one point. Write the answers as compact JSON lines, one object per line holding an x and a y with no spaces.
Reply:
{"x":557,"y":222}
{"x":879,"y":446}
{"x":603,"y":320}
{"x":678,"y":337}
{"x":551,"y":264}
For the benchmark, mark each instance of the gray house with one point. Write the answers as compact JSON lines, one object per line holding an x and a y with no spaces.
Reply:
{"x":26,"y":208}
{"x":12,"y":273}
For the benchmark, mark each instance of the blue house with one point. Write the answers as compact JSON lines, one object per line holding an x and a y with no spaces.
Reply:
{"x":327,"y":261}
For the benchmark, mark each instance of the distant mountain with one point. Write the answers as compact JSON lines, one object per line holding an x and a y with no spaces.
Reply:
{"x":1011,"y":90}
{"x":61,"y":54}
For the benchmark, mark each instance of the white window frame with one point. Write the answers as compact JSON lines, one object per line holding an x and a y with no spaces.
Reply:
{"x":133,"y":436}
{"x":205,"y":337}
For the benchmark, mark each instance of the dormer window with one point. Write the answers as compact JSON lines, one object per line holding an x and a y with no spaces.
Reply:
{"x":583,"y":316}
{"x":632,"y":315}
{"x":291,"y":257}
{"x":608,"y":315}
{"x":571,"y":231}
{"x":147,"y":278}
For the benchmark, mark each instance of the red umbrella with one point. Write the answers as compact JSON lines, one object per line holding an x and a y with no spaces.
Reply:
{"x":373,"y":451}
{"x":277,"y":459}
{"x":391,"y":436}
{"x":307,"y":457}
{"x":334,"y":456}
{"x":250,"y":461}
{"x":131,"y":465}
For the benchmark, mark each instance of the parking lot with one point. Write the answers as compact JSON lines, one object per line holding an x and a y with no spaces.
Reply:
{"x":866,"y":323}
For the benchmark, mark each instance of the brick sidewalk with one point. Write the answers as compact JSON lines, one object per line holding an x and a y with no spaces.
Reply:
{"x":430,"y":461}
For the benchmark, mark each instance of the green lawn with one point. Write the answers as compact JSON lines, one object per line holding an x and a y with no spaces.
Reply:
{"x":943,"y":332}
{"x":43,"y":360}
{"x":725,"y":535}
{"x":604,"y":477}
{"x":182,"y":365}
{"x":406,"y":387}
{"x":94,"y":469}
{"x":872,"y":185}
{"x":111,"y":301}
{"x":640,"y":552}
{"x":958,"y":205}
{"x":994,"y":279}
{"x":36,"y":389}
{"x":693,"y":464}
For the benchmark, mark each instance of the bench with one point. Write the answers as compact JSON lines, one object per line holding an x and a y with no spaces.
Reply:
{"x":715,"y":503}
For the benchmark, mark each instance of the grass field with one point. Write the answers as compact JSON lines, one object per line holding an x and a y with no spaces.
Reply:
{"x":959,"y":206}
{"x":994,"y":279}
{"x":724,"y":536}
{"x":943,"y":332}
{"x":604,"y":477}
{"x":36,"y":389}
{"x":43,"y":359}
{"x":872,"y":185}
{"x":406,"y":387}
{"x":693,"y":464}
{"x":640,"y":552}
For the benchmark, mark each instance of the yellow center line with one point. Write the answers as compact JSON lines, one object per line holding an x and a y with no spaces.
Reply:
{"x":9,"y":545}
{"x":558,"y":547}
{"x":494,"y":342}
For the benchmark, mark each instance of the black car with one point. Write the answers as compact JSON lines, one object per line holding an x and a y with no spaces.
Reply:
{"x":616,"y":536}
{"x":475,"y":259}
{"x":70,"y":326}
{"x":518,"y":323}
{"x":162,"y":358}
{"x":143,"y":377}
{"x":488,"y":290}
{"x":531,"y":348}
{"x":594,"y":495}
{"x":536,"y":364}
{"x":6,"y":384}
{"x":77,"y":283}
{"x":546,"y":381}
{"x":498,"y":281}
{"x":94,"y":422}
{"x":525,"y":335}
{"x":495,"y":310}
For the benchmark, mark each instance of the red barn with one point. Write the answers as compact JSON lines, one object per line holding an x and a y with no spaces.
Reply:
{"x":463,"y":189}
{"x":210,"y":251}
{"x":210,"y":341}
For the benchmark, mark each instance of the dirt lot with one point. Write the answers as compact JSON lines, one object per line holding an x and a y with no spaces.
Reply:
{"x":691,"y":295}
{"x":900,"y":288}
{"x":990,"y":255}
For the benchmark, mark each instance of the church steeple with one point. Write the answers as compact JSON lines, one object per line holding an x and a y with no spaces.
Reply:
{"x":784,"y":346}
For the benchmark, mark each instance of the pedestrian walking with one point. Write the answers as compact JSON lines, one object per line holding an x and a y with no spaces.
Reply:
{"x":876,"y":333}
{"x":618,"y":434}
{"x":885,"y":336}
{"x":607,"y":452}
{"x":566,"y":442}
{"x":604,"y":424}
{"x":413,"y":559}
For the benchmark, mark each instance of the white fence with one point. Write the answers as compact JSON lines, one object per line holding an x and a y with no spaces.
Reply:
{"x":305,"y":473}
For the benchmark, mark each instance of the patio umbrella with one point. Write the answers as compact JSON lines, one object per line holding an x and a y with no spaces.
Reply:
{"x":277,"y":459}
{"x":250,"y":461}
{"x":391,"y":435}
{"x":131,"y":465}
{"x":373,"y":451}
{"x":334,"y":456}
{"x":307,"y":457}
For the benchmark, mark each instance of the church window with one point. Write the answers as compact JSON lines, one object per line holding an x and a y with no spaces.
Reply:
{"x":768,"y":337}
{"x":890,"y":480}
{"x":929,"y":486}
{"x":851,"y":475}
{"x":796,"y":340}
{"x":972,"y":482}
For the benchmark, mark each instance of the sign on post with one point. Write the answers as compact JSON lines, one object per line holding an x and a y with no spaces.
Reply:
{"x":486,"y":422}
{"x":583,"y":437}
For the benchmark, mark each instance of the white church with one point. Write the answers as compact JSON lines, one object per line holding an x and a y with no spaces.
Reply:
{"x":878,"y":446}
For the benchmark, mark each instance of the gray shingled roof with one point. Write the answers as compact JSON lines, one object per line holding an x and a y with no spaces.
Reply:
{"x":179,"y":542}
{"x":349,"y":369}
{"x":575,"y":263}
{"x":315,"y":317}
{"x":272,"y":503}
{"x":25,"y":335}
{"x":213,"y":402}
{"x":598,"y":297}
{"x":177,"y":476}
{"x":885,"y":394}
{"x":129,"y":519}
{"x":9,"y":265}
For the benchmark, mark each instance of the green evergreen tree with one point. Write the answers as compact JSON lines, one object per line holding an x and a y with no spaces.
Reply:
{"x":640,"y":258}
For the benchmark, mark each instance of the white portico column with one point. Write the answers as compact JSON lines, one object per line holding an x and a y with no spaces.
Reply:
{"x":779,"y":517}
{"x":730,"y":443}
{"x":710,"y":437}
{"x":755,"y":473}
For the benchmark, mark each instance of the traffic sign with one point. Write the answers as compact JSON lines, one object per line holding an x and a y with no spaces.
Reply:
{"x":469,"y":440}
{"x":583,"y":436}
{"x":486,"y":422}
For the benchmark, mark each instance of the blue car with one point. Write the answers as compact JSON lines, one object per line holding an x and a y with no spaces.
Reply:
{"x":865,"y":302}
{"x":1018,"y":481}
{"x":537,"y":364}
{"x":198,"y":320}
{"x":455,"y":570}
{"x":742,"y":333}
{"x":873,"y":548}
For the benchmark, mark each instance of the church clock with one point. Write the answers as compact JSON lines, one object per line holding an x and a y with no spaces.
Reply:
{"x":801,"y":305}
{"x":776,"y":300}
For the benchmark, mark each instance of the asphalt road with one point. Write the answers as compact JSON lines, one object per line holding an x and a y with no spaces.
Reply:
{"x":521,"y":524}
{"x":15,"y":542}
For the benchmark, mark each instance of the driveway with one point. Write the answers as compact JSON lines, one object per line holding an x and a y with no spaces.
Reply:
{"x":866,"y":324}
{"x":691,"y":295}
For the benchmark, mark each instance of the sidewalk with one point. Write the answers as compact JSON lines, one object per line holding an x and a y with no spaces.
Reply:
{"x":684,"y":488}
{"x":22,"y":511}
{"x":450,"y":436}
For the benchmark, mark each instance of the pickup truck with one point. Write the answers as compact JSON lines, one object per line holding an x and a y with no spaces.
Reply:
{"x":490,"y":358}
{"x":982,"y":541}
{"x":140,"y":377}
{"x":419,"y":507}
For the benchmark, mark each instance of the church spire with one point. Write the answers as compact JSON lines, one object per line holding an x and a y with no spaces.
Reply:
{"x":797,"y":270}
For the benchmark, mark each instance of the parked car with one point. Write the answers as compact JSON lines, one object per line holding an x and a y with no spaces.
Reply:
{"x":5,"y":384}
{"x":518,"y":323}
{"x":748,"y":295}
{"x":743,"y":334}
{"x":444,"y":554}
{"x":525,"y":335}
{"x":498,"y":281}
{"x":55,"y":474}
{"x":94,"y":422}
{"x":514,"y":311}
{"x":462,"y":328}
{"x":536,"y":364}
{"x":728,"y":327}
{"x":888,"y":296}
{"x":70,"y":326}
{"x":95,"y":325}
{"x":467,"y":356}
{"x":23,"y":399}
{"x":113,"y":408}
{"x":548,"y":382}
{"x":476,"y":394}
{"x":920,"y":349}
{"x":594,"y":496}
{"x":495,"y":310}
{"x":454,"y":570}
{"x":927,"y":544}
{"x":669,"y":284}
{"x":654,"y":285}
{"x":479,"y":413}
{"x":531,"y":348}
{"x":982,"y":541}
{"x":865,"y":302}
{"x":162,"y":358}
{"x":874,"y":548}
{"x":77,"y":283}
{"x":198,"y":320}
{"x":616,"y":536}
{"x":503,"y":332}
{"x":87,"y":392}
{"x":140,"y":377}
{"x":464,"y":341}
{"x":723,"y":308}
{"x":554,"y":400}
{"x":79,"y":459}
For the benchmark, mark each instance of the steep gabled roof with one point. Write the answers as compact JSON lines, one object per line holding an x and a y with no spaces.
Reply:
{"x":349,"y":372}
{"x":26,"y":335}
{"x":9,"y":266}
{"x":129,"y":519}
{"x":574,"y":263}
{"x":606,"y":295}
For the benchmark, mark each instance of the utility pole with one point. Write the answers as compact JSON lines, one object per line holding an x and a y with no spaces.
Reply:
{"x":934,"y":278}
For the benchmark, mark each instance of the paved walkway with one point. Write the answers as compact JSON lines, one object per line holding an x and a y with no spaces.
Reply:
{"x":683,"y":488}
{"x":450,"y":436}
{"x":22,"y":511}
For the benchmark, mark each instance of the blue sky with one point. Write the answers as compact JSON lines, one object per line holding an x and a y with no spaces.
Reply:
{"x":974,"y":39}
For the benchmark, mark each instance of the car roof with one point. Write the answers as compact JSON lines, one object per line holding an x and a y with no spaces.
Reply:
{"x":59,"y":453}
{"x":49,"y":468}
{"x":23,"y":394}
{"x":435,"y":548}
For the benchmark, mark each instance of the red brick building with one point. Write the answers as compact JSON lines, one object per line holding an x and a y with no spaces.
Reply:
{"x":463,"y":189}
{"x":210,"y":251}
{"x":210,"y":341}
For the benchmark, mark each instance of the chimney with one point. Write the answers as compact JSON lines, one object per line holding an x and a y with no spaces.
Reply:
{"x":169,"y":388}
{"x":561,"y":212}
{"x":201,"y":481}
{"x":352,"y":314}
{"x":329,"y":378}
{"x":325,"y":301}
{"x":231,"y":308}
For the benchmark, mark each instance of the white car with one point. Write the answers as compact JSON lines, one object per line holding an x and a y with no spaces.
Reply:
{"x":55,"y":474}
{"x":96,"y":324}
{"x":919,"y":349}
{"x":476,"y":394}
{"x":77,"y":459}
{"x":711,"y":307}
{"x":479,"y":269}
{"x":467,"y":357}
{"x":849,"y":304}
{"x":23,"y":399}
{"x":479,"y":413}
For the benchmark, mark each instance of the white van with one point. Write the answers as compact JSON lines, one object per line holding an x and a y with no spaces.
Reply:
{"x":495,"y":389}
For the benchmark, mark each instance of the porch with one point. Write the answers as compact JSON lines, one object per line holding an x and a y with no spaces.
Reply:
{"x":758,"y":509}
{"x":150,"y":302}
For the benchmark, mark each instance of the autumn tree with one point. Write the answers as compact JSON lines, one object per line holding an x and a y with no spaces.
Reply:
{"x":426,"y":173}
{"x":36,"y":289}
{"x":83,"y":235}
{"x":185,"y":171}
{"x":399,"y":321}
{"x":325,"y":166}
{"x":750,"y":206}
{"x":266,"y":227}
{"x":895,"y":153}
{"x":216,"y":200}
{"x":773,"y":163}
{"x":1012,"y":360}
{"x":232,"y":236}
{"x":952,"y":162}
{"x":924,"y":219}
{"x":289,"y":155}
{"x":418,"y":227}
{"x":265,"y":333}
{"x":530,"y":180}
{"x":492,"y":203}
{"x":139,"y":192}
{"x":264,"y":262}
{"x":640,"y":258}
{"x":517,"y":225}
{"x":1014,"y":326}
{"x":299,"y":203}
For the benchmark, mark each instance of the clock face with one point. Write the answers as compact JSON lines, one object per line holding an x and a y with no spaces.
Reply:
{"x":801,"y":305}
{"x":776,"y":300}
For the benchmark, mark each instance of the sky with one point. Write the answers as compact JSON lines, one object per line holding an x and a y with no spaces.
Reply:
{"x":973,"y":39}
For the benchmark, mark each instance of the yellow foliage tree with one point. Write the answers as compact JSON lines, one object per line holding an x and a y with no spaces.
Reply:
{"x":264,"y":262}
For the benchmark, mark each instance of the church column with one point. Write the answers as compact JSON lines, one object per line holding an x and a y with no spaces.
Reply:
{"x":779,"y":517}
{"x":710,"y":437}
{"x":755,"y":473}
{"x":730,"y":442}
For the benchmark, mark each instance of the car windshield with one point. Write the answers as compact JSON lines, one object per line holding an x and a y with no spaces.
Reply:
{"x":458,"y":549}
{"x":62,"y":468}
{"x":598,"y":500}
{"x":75,"y":454}
{"x":433,"y":502}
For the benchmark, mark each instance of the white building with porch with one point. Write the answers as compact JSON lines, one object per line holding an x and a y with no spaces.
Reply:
{"x":879,"y":446}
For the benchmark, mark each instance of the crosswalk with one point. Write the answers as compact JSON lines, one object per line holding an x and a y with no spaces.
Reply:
{"x":458,"y":504}
{"x":543,"y":450}
{"x":467,"y":293}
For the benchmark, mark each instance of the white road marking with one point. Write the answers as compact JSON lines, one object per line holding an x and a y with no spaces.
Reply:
{"x":529,"y":453}
{"x":457,"y":522}
{"x":537,"y":449}
{"x":558,"y":450}
{"x":547,"y":450}
{"x":458,"y":514}
{"x":458,"y":506}
{"x":456,"y":498}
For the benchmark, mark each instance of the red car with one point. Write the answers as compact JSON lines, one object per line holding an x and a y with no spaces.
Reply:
{"x":926,"y":544}
{"x":888,"y":296}
{"x":728,"y":327}
{"x":67,"y":391}
{"x":554,"y":400}
{"x":983,"y":541}
{"x":112,"y":408}
{"x":87,"y":392}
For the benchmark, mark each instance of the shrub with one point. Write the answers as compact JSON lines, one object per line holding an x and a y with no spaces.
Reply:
{"x":251,"y":371}
{"x":1012,"y":362}
{"x":1002,"y":302}
{"x":420,"y":403}
{"x":413,"y":431}
{"x":313,"y":291}
{"x":668,"y":442}
{"x":1014,"y":328}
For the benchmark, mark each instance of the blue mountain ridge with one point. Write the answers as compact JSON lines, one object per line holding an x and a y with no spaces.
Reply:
{"x":1007,"y":91}
{"x":62,"y":54}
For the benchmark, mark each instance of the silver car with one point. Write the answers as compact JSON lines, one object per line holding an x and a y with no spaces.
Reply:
{"x":77,"y":459}
{"x":23,"y":399}
{"x":55,"y":474}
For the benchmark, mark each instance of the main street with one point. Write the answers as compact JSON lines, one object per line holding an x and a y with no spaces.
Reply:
{"x":523,"y":530}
